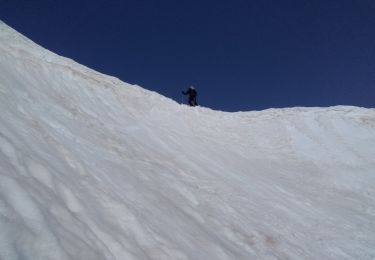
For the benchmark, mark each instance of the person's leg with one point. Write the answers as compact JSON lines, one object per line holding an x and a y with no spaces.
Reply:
{"x":195,"y":101}
{"x":191,"y":102}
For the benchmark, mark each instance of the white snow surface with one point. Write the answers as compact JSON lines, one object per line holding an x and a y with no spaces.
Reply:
{"x":95,"y":168}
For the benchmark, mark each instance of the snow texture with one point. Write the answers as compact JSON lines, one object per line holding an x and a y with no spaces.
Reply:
{"x":95,"y":168}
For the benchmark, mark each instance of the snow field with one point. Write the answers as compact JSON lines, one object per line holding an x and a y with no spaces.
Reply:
{"x":94,"y":168}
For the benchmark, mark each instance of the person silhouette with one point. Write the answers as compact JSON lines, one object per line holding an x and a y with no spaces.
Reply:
{"x":192,"y":94}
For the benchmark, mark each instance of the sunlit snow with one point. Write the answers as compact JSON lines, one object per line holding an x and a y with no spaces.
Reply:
{"x":95,"y":168}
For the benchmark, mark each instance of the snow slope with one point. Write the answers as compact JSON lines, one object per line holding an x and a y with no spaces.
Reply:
{"x":94,"y":168}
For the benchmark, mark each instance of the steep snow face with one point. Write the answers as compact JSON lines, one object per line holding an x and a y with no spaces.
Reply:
{"x":94,"y":168}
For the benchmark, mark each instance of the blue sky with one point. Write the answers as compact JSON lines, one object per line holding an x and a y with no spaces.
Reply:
{"x":240,"y":55}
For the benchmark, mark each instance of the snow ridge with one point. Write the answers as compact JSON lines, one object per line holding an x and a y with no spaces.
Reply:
{"x":95,"y":168}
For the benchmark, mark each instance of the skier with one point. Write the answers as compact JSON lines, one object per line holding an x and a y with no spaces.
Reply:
{"x":192,"y":93}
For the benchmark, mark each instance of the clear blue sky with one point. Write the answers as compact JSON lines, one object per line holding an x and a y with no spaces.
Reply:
{"x":240,"y":54}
